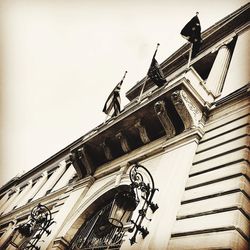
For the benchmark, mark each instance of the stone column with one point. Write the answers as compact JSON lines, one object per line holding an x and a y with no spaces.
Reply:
{"x":21,"y":196}
{"x":34,"y":189}
{"x":4,"y":199}
{"x":52,"y":180}
{"x":5,"y":237}
{"x":10,"y":200}
{"x":70,"y":172}
{"x":218,"y":72}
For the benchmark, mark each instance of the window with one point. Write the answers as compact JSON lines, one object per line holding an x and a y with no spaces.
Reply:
{"x":98,"y":233}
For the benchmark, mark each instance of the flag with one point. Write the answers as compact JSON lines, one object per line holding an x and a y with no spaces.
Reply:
{"x":113,"y":103}
{"x":112,"y":106}
{"x":192,"y":32}
{"x":155,"y":73}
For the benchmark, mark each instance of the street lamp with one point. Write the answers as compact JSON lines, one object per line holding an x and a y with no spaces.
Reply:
{"x":125,"y":202}
{"x":122,"y":208}
{"x":33,"y":230}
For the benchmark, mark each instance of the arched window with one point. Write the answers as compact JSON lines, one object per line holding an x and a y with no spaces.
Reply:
{"x":98,"y":233}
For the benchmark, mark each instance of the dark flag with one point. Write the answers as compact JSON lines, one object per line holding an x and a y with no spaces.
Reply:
{"x":155,"y":73}
{"x":112,"y":106}
{"x":192,"y":32}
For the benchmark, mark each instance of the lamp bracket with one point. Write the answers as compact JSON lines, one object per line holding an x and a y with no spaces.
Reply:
{"x":142,"y":183}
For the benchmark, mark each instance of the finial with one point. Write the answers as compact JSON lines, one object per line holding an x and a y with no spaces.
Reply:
{"x":197,"y":13}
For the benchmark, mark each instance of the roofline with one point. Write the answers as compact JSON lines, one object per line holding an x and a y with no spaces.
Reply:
{"x":60,"y":155}
{"x":178,"y":54}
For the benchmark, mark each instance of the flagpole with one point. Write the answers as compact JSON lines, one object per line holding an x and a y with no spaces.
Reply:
{"x":106,"y":118}
{"x":146,"y":78}
{"x":190,"y":51}
{"x":189,"y":57}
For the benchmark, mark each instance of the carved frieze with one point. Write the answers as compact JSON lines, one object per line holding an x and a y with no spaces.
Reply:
{"x":142,"y":132}
{"x":167,"y":124}
{"x":186,"y":108}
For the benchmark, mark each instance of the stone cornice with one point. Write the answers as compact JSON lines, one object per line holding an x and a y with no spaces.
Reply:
{"x":239,"y":93}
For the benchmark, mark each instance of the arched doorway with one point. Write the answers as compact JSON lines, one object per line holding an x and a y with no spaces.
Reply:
{"x":96,"y":232}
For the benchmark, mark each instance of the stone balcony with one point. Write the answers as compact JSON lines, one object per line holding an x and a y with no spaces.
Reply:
{"x":162,"y":112}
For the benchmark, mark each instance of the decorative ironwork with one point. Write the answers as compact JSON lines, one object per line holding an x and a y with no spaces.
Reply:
{"x":41,"y":220}
{"x":144,"y":184}
{"x":98,"y":233}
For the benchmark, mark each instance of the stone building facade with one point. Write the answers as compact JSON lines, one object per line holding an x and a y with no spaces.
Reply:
{"x":192,"y":134}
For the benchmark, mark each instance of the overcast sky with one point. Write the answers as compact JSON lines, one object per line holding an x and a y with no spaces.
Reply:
{"x":59,"y":61}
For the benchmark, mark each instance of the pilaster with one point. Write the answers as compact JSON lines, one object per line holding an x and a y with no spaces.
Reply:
{"x":34,"y":189}
{"x":10,"y":200}
{"x":52,"y":180}
{"x":5,"y":237}
{"x":20,"y":197}
{"x":69,"y":174}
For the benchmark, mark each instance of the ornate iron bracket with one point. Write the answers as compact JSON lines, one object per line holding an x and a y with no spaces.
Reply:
{"x":146,"y":190}
{"x":41,"y":220}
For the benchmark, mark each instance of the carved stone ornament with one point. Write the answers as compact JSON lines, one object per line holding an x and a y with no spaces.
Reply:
{"x":123,"y":141}
{"x":142,"y":131}
{"x":81,"y":162}
{"x":85,"y":159}
{"x":161,"y":112}
{"x":107,"y":150}
{"x":186,"y":108}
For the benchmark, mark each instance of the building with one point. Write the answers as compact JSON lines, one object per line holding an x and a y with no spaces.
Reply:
{"x":192,"y":135}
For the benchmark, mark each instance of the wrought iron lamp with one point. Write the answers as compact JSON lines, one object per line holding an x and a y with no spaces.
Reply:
{"x":33,"y":230}
{"x":125,"y":202}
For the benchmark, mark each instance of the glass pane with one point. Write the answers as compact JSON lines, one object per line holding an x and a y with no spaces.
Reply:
{"x":98,"y":233}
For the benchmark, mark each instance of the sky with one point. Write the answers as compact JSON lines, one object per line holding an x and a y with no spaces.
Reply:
{"x":59,"y":61}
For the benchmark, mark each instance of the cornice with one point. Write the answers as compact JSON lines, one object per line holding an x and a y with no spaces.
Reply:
{"x":239,"y":93}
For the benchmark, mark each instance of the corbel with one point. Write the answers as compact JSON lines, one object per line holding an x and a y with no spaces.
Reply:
{"x":187,"y":109}
{"x":142,"y":132}
{"x":123,"y":141}
{"x":107,"y":150}
{"x":167,"y":124}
